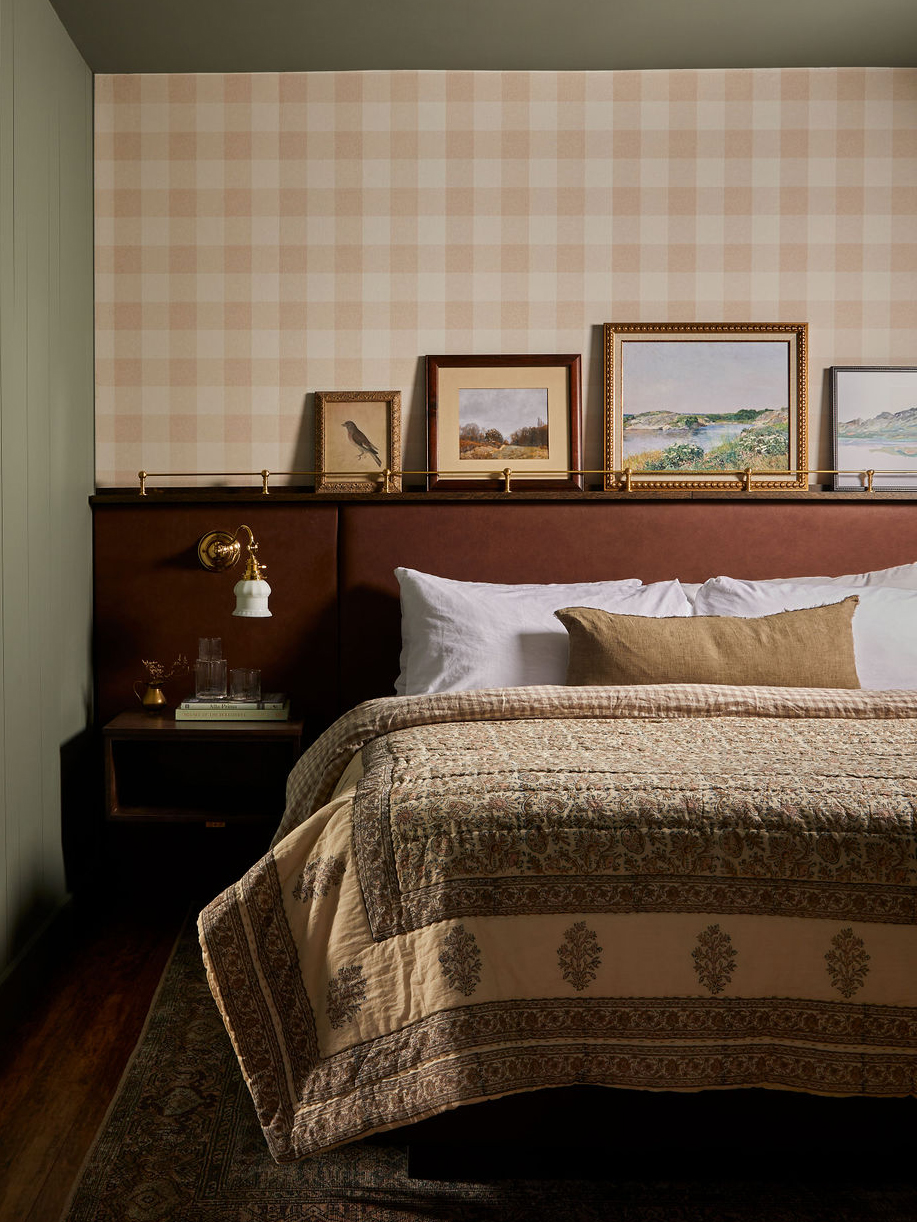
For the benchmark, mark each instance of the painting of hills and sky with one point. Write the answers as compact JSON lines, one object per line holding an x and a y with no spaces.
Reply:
{"x":503,"y":423}
{"x":699,"y":405}
{"x":875,"y":423}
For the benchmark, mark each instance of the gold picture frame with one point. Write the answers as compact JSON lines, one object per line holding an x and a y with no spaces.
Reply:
{"x":358,"y":440}
{"x":698,"y":406}
{"x":495,"y":420}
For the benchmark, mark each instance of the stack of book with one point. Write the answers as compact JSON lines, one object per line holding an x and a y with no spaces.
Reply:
{"x":275,"y":706}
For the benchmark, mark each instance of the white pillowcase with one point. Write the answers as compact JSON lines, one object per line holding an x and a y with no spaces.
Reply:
{"x":902,"y":577}
{"x":884,"y":624}
{"x":459,"y":635}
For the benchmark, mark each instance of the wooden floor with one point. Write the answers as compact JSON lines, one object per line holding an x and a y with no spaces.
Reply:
{"x":60,"y":1066}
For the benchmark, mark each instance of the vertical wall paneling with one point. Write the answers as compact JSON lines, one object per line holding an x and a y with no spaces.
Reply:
{"x":46,"y":449}
{"x":6,"y":392}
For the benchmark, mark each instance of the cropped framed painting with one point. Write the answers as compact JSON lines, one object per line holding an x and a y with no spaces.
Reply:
{"x":705,"y":405}
{"x":874,"y":423}
{"x":501,"y":422}
{"x":358,"y":440}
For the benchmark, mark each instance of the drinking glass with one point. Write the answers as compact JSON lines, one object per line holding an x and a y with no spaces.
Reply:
{"x":245,"y":683}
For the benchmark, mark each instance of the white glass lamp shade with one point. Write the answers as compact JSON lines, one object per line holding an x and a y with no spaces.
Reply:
{"x":251,"y":598}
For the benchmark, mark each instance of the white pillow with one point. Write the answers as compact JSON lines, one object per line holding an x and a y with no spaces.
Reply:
{"x":459,"y":635}
{"x":902,"y":577}
{"x":884,"y":624}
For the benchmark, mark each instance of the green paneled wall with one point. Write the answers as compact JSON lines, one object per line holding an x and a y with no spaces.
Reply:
{"x":46,"y":449}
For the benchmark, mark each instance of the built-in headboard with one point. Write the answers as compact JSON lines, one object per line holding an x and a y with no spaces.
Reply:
{"x":153,"y":599}
{"x":334,"y":638}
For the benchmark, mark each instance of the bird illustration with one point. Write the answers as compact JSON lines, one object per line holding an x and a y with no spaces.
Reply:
{"x":361,"y":441}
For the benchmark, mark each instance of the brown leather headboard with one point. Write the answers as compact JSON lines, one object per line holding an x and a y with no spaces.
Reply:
{"x":589,"y":541}
{"x":335,"y":636}
{"x":153,"y":599}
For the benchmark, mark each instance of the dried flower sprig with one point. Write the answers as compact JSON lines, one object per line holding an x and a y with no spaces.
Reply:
{"x":158,"y":672}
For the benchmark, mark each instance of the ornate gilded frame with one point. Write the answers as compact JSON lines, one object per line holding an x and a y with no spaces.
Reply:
{"x":795,"y":338}
{"x":345,"y":464}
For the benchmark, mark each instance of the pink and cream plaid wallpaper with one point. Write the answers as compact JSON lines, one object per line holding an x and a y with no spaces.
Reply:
{"x":260,"y":237}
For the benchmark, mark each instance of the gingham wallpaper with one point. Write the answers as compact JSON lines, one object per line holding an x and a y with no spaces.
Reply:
{"x":261,"y":237}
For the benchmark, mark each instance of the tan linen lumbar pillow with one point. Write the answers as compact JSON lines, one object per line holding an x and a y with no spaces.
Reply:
{"x":808,"y":648}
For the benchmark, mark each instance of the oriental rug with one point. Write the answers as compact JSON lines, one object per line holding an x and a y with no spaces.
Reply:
{"x":181,"y":1144}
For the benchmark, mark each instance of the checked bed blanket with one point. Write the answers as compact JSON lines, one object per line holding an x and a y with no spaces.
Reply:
{"x":660,"y":887}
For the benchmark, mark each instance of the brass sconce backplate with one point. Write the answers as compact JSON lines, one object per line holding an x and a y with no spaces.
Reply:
{"x":218,"y":551}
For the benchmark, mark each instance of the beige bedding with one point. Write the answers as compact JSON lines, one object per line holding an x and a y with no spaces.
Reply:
{"x":663,"y":887}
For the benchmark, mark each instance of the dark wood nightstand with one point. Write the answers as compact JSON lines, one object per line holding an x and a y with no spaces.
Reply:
{"x":218,"y":774}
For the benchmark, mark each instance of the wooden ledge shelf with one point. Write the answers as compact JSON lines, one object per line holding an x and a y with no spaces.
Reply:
{"x":239,"y":496}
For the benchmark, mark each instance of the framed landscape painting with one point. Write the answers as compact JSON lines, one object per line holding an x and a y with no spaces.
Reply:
{"x":494,"y":422}
{"x":699,"y":405}
{"x":874,"y":419}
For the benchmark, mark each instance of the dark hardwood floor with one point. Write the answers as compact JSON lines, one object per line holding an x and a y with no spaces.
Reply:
{"x":62,"y":1059}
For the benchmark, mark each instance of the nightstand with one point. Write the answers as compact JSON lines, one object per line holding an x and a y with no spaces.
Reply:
{"x":218,"y":774}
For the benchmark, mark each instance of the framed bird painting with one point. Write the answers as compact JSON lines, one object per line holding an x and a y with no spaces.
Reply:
{"x":358,"y":440}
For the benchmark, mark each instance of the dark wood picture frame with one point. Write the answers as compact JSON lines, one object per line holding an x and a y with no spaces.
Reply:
{"x":559,"y":376}
{"x":858,"y":394}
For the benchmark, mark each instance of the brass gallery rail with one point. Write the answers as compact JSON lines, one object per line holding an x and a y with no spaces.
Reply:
{"x":625,"y":480}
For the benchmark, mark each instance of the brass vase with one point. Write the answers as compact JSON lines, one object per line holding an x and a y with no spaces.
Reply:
{"x":151,"y":696}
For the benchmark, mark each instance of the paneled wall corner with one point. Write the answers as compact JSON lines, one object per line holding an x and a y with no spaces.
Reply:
{"x":46,"y":455}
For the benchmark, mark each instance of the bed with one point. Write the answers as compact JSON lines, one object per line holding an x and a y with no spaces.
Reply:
{"x":602,"y":847}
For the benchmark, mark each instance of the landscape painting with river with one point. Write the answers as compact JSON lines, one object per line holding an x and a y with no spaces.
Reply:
{"x":875,"y":426}
{"x":699,"y":405}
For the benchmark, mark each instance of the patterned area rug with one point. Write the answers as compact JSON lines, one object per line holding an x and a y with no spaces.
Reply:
{"x":181,"y":1144}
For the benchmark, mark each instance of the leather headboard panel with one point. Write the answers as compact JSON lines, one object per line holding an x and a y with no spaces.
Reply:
{"x":332,"y":568}
{"x":153,"y":599}
{"x":589,"y":541}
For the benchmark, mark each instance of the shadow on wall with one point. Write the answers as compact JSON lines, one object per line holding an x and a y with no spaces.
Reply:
{"x":82,"y":816}
{"x":304,"y":451}
{"x":368,"y":616}
{"x":81,"y":824}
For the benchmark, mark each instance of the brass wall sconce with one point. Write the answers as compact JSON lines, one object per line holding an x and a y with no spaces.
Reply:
{"x":218,"y":551}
